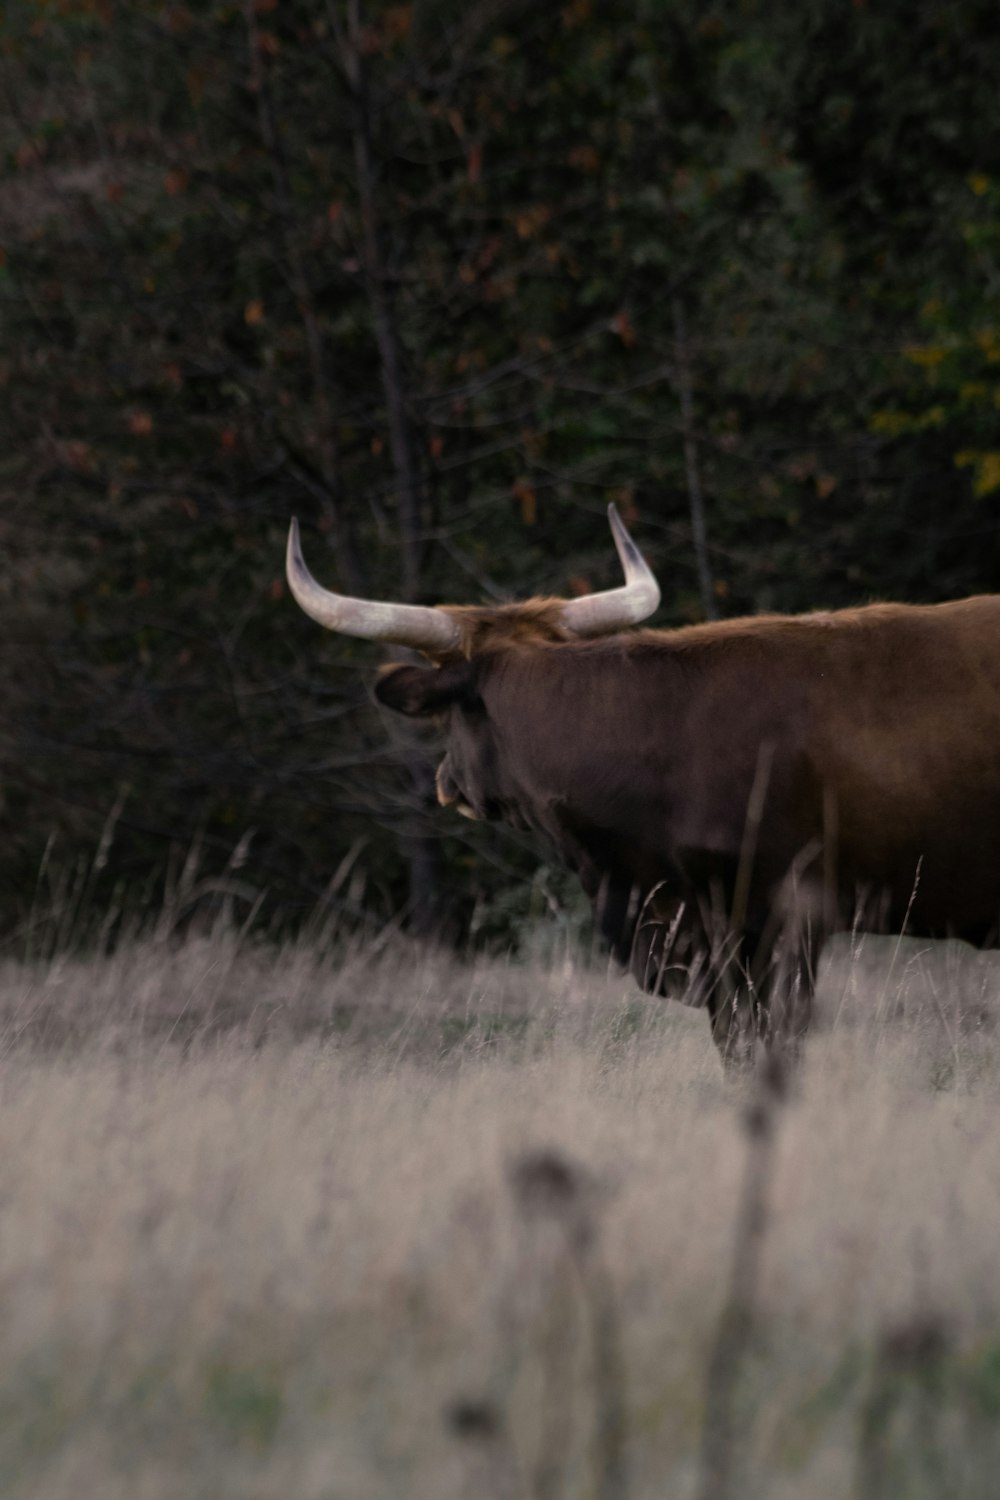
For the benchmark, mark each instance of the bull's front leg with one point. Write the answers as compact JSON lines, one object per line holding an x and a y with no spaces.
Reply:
{"x":677,"y":952}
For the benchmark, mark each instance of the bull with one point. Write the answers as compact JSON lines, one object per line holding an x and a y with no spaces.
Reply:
{"x":730,"y":793}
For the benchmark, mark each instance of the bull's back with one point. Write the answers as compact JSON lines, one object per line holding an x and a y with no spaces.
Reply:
{"x":905,"y":735}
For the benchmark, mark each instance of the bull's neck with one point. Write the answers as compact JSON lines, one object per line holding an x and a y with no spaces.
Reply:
{"x":581,"y":729}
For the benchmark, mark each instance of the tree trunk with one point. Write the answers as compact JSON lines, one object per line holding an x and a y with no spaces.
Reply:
{"x":422,"y":849}
{"x":383,"y":309}
{"x":328,"y":490}
{"x":696,"y":502}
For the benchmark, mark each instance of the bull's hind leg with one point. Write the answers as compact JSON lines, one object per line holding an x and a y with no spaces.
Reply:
{"x":733,"y":1001}
{"x":738,"y":1024}
{"x":789,"y":984}
{"x":762,"y":994}
{"x":784,"y":971}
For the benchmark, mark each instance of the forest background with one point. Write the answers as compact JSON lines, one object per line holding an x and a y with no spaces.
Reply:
{"x":443,"y":279}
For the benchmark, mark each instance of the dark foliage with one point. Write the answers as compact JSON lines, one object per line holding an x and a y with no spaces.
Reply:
{"x":442,"y":279}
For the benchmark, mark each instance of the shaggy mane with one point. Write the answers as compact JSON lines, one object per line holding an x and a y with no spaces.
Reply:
{"x":500,"y":627}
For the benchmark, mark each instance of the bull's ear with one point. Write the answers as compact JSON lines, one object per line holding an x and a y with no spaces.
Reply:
{"x":425,"y":690}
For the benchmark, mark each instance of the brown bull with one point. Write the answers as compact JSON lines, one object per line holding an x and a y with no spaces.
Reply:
{"x":728,"y":793}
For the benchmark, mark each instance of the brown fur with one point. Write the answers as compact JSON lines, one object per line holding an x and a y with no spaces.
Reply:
{"x":730,"y":792}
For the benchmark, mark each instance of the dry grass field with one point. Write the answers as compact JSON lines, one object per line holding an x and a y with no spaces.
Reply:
{"x":360,"y":1224}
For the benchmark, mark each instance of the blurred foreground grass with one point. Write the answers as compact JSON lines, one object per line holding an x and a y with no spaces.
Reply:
{"x":259,"y":1236}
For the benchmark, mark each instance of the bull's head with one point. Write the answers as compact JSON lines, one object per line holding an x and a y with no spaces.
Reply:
{"x":468,"y":649}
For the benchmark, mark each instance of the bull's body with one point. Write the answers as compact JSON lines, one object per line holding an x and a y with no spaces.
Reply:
{"x":730,"y":793}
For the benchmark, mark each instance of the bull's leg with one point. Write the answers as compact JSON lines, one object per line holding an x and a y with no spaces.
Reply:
{"x":790,"y":997}
{"x":734,"y":1003}
{"x":738,"y":1024}
{"x":783,"y":967}
{"x":763,"y":977}
{"x":685,"y":952}
{"x":760,"y":992}
{"x":756,"y":986}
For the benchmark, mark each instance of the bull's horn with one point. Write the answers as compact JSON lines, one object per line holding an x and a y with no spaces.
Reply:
{"x":414,"y":625}
{"x":602,"y":614}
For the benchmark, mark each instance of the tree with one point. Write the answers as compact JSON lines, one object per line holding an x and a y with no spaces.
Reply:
{"x":443,"y":280}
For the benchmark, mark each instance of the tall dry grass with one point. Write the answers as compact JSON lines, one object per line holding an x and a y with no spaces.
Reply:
{"x":349,"y":1223}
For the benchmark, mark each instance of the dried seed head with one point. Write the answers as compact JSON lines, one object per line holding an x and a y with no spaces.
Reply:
{"x":774,"y":1075}
{"x":548,"y":1186}
{"x":476,"y":1421}
{"x":920,"y":1341}
{"x":770,"y":1091}
{"x":757,"y":1118}
{"x":545,"y":1182}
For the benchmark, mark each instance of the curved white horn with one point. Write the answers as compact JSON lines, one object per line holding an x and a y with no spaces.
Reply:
{"x":602,"y":614}
{"x":405,"y":624}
